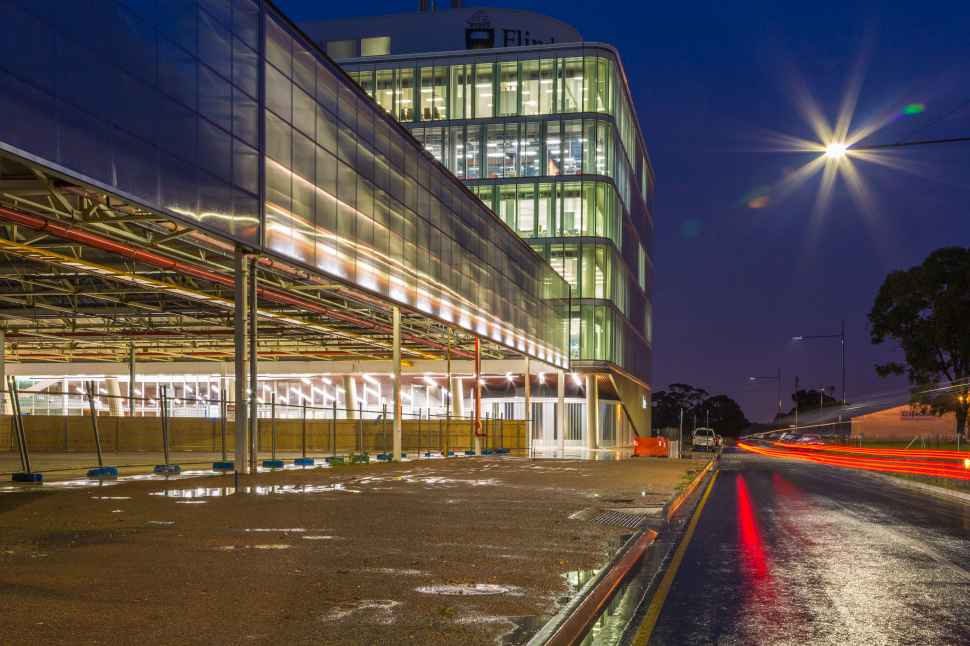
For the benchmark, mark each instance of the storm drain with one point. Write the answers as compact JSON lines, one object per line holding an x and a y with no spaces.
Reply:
{"x":619,"y":519}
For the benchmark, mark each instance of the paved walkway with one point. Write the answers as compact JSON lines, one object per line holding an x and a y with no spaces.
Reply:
{"x":463,"y":550}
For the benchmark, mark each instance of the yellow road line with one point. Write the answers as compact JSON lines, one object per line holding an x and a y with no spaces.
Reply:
{"x":645,"y":631}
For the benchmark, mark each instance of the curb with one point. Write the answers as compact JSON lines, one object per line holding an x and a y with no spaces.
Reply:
{"x":571,"y":623}
{"x":922,"y":487}
{"x":580,"y":616}
{"x":675,"y":504}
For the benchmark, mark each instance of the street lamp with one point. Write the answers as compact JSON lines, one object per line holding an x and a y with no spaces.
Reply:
{"x":776,"y":378}
{"x":836,"y":150}
{"x":841,"y":337}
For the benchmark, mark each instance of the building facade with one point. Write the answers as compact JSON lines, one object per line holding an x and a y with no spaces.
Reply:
{"x":546,"y":135}
{"x":215,"y":138}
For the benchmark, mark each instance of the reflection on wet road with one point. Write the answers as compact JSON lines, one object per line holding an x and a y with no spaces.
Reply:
{"x":795,"y":553}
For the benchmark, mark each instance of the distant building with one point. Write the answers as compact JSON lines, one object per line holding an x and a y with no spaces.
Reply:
{"x":904,"y":422}
{"x":542,"y":127}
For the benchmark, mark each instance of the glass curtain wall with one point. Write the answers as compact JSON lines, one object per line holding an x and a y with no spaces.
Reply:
{"x":349,"y":194}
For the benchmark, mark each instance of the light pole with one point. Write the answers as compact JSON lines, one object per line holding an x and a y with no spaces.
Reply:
{"x":841,"y":337}
{"x":777,"y":379}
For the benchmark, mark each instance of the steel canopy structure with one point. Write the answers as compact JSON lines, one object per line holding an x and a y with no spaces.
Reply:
{"x":230,"y":195}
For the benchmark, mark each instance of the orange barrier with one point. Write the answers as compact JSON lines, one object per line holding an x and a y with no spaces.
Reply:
{"x":651,"y":447}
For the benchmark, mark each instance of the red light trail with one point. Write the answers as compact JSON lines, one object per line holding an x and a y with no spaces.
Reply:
{"x":877,"y":462}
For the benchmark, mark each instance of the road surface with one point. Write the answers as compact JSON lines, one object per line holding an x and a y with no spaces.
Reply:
{"x":795,"y":553}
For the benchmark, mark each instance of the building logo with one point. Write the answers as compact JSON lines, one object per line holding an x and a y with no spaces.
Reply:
{"x":479,"y":33}
{"x":916,"y":413}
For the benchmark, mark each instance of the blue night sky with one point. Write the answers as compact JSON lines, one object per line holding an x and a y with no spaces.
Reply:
{"x":733,"y":282}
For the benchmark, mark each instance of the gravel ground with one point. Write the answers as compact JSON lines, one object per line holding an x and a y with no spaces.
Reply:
{"x":470,"y":551}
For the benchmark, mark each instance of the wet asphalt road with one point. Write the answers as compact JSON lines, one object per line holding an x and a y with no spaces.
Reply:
{"x":796,"y":553}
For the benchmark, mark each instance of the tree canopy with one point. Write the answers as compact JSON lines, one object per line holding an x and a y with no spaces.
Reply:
{"x":726,"y":416}
{"x":925,"y":310}
{"x":811,"y":400}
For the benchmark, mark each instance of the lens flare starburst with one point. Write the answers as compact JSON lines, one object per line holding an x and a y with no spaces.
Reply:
{"x":835,"y":149}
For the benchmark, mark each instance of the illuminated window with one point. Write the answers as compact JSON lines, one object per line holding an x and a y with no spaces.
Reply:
{"x":461,"y":95}
{"x":342,"y":49}
{"x":483,"y":91}
{"x":375,"y":46}
{"x":553,"y":148}
{"x":404,"y":96}
{"x":529,"y":150}
{"x":384,"y":90}
{"x":508,"y":84}
{"x":530,"y":87}
{"x":571,"y":84}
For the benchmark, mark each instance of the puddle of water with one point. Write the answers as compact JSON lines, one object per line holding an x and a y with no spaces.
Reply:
{"x":110,"y":497}
{"x":262,"y":490}
{"x":467,"y":590}
{"x":576,"y":579}
{"x":117,"y":511}
{"x":318,"y":537}
{"x":161,"y":522}
{"x":295,"y":530}
{"x":378,"y":611}
{"x":394,"y":571}
{"x":265,"y":546}
{"x":190,"y":502}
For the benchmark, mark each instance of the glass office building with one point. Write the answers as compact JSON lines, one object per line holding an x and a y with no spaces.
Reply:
{"x":223,"y":115}
{"x":547,"y":137}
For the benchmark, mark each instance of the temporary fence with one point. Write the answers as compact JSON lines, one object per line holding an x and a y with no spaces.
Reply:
{"x":58,"y":430}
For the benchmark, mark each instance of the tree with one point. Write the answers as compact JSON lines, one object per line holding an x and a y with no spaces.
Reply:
{"x":810,"y":400}
{"x":726,"y":416}
{"x":667,"y":404}
{"x":926,"y":311}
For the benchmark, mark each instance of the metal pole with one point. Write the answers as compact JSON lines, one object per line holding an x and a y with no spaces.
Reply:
{"x":779,"y":392}
{"x":384,"y":429}
{"x":419,"y":433}
{"x":131,"y":380}
{"x":303,"y":430}
{"x":680,"y":436}
{"x":164,"y":402}
{"x":451,"y":398}
{"x":528,"y":403}
{"x":333,"y":429}
{"x":398,"y":426}
{"x":272,"y":425}
{"x":360,"y":427}
{"x":561,"y":410}
{"x":18,"y":424}
{"x":253,"y":365}
{"x":89,"y":387}
{"x":239,"y":367}
{"x":223,"y":413}
{"x":477,"y":425}
{"x":3,"y":367}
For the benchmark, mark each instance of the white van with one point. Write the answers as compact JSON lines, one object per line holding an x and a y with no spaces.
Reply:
{"x":705,"y":439}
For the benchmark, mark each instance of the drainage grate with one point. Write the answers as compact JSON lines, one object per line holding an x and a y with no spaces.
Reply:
{"x":619,"y":519}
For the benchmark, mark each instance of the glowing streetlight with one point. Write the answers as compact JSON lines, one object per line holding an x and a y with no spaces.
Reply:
{"x":836,"y":150}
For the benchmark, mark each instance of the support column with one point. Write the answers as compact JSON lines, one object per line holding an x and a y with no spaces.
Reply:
{"x":4,"y":407}
{"x":239,"y":366}
{"x":253,"y":366}
{"x":115,"y":402}
{"x":592,"y":412}
{"x":457,"y":397}
{"x":561,"y":410}
{"x":398,"y":426}
{"x":132,"y":406}
{"x":350,"y":396}
{"x":478,"y":397}
{"x":621,"y":432}
{"x":530,"y":423}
